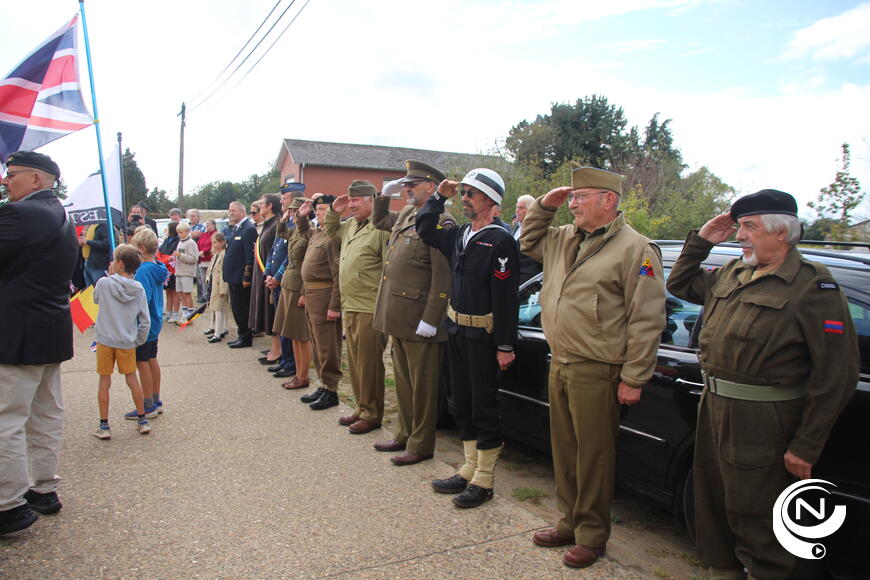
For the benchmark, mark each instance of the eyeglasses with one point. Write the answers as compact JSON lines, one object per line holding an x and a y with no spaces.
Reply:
{"x":412,"y":184}
{"x":255,"y":213}
{"x":582,"y":197}
{"x":467,"y":191}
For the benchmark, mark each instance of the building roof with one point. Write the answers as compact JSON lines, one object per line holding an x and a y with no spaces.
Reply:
{"x":373,"y":156}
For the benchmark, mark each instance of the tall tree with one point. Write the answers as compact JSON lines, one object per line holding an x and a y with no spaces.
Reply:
{"x":837,"y":201}
{"x":135,"y":189}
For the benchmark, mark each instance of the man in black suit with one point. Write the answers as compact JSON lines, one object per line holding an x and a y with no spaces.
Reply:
{"x":238,"y":269}
{"x":38,"y":251}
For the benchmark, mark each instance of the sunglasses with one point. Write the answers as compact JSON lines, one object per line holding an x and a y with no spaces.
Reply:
{"x":255,"y":213}
{"x":412,"y":184}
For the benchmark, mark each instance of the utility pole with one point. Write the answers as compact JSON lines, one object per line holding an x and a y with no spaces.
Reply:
{"x":183,"y":116}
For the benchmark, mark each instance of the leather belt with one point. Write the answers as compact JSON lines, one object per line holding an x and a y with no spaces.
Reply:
{"x":474,"y":320}
{"x":317,"y":285}
{"x":745,"y":392}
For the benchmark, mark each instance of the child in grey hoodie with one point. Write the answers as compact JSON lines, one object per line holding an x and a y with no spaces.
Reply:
{"x":122,"y":325}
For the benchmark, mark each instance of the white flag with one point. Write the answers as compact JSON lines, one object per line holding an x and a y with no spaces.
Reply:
{"x":86,"y":206}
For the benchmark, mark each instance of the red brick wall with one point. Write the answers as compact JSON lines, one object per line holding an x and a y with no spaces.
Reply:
{"x":335,"y":180}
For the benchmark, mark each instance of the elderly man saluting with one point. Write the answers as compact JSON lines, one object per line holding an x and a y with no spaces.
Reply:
{"x":603,"y":312}
{"x":780,"y":361}
{"x":37,"y":256}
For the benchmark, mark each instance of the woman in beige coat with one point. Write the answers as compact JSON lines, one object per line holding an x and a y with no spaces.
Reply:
{"x":218,"y":302}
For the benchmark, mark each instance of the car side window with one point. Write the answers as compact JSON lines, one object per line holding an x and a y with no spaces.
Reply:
{"x":530,"y":308}
{"x":681,"y":318}
{"x":861,"y":319}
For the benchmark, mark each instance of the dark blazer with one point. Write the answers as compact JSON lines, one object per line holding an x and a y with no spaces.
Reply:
{"x":99,"y":255}
{"x":529,"y":267}
{"x":38,"y":252}
{"x":239,"y":257}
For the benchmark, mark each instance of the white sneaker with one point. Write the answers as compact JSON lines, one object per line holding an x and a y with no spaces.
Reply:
{"x":144,"y":427}
{"x":103,"y":432}
{"x":173,"y":317}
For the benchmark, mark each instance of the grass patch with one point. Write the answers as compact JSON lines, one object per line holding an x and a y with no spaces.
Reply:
{"x":510,"y":466}
{"x":530,"y":494}
{"x":659,"y":552}
{"x":691,"y":560}
{"x":661,"y":574}
{"x":389,"y":383}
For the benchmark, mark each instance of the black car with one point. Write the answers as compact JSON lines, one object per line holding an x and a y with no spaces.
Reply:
{"x":657,"y":436}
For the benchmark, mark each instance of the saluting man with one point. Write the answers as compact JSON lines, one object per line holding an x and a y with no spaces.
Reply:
{"x":779,"y":356}
{"x":482,"y":322}
{"x":603,"y":312}
{"x":412,"y":301}
{"x":362,"y":259}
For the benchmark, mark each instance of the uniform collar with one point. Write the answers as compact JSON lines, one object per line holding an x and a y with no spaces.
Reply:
{"x":610,"y":228}
{"x":787,"y":270}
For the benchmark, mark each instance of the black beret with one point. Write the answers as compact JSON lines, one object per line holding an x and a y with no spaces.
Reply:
{"x":762,"y":202}
{"x":323,"y":199}
{"x":34,"y":160}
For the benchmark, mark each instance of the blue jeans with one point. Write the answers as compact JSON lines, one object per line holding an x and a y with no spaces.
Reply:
{"x":92,"y":275}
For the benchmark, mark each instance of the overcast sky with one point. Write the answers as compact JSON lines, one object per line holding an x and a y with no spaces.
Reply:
{"x":764,"y":93}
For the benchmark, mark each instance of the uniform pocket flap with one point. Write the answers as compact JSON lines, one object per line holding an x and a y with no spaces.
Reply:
{"x":409,"y":294}
{"x":766,"y":300}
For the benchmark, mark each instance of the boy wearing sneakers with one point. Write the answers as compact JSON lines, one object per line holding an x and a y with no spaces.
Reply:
{"x":122,"y":325}
{"x":186,"y":256}
{"x":152,"y":275}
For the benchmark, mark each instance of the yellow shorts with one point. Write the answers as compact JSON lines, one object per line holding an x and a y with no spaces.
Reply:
{"x":106,"y":357}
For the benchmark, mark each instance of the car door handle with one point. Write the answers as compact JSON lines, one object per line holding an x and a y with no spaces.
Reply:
{"x":699,"y":387}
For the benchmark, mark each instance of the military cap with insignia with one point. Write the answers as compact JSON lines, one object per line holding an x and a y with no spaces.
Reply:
{"x":417,"y":170}
{"x":594,"y":178}
{"x":361,"y":188}
{"x":297,"y":202}
{"x":293,"y":186}
{"x":35,"y":161}
{"x":327,"y":199}
{"x":764,"y":202}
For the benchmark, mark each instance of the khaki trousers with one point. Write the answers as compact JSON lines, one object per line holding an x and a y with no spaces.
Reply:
{"x":325,"y":338}
{"x":365,"y":360}
{"x":584,"y":420}
{"x":739,"y":472}
{"x":31,"y":430}
{"x":416,"y":368}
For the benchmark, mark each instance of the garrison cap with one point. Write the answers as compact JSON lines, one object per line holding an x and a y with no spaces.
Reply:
{"x":297,"y":202}
{"x":763,"y":202}
{"x":417,"y":170}
{"x":292,"y":186}
{"x":593,"y":178}
{"x":34,"y":160}
{"x":327,"y":199}
{"x":361,"y":188}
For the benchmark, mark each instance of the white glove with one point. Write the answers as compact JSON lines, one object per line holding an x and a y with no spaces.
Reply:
{"x":426,"y":330}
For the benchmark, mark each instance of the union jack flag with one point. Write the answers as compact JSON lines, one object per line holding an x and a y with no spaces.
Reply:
{"x":41,"y":99}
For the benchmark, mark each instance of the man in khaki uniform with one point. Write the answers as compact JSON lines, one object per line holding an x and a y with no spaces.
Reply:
{"x":603,"y":312}
{"x":362,"y":259}
{"x":779,"y":356}
{"x":412,"y":301}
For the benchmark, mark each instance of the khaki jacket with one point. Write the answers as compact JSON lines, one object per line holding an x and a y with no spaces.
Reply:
{"x":215,"y":275}
{"x":363,"y":247}
{"x":415,"y":282}
{"x":791,"y":327}
{"x":297,"y":244}
{"x":320,"y":264}
{"x":605,"y":302}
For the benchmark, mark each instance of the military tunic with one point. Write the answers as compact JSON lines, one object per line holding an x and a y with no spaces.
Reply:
{"x":290,"y":320}
{"x":362,"y":259}
{"x":414,"y":287}
{"x":485,"y":273}
{"x":602,"y":311}
{"x":319,"y":272}
{"x":788,"y":328}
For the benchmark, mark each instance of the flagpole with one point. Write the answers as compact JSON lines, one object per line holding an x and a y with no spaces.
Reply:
{"x":111,"y":233}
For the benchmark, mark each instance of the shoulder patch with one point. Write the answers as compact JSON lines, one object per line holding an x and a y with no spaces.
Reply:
{"x":503,"y":272}
{"x":828,"y":285}
{"x":833,"y":327}
{"x":647,"y":269}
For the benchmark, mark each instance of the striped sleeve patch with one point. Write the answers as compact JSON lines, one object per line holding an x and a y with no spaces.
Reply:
{"x":833,"y":327}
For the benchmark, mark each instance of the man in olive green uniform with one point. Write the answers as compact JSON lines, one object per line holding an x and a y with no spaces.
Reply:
{"x":362,"y":259}
{"x":412,"y":301}
{"x":603,"y":312}
{"x":779,"y":358}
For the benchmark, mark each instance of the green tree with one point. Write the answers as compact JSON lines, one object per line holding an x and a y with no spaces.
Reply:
{"x":696,"y":198}
{"x":135,"y":189}
{"x":157,"y":201}
{"x":837,"y":201}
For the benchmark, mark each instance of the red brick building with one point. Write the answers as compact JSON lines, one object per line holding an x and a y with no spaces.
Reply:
{"x":331,"y":167}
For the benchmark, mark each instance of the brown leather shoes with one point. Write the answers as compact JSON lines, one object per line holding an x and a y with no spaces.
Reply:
{"x":347,"y":420}
{"x":363,"y":426}
{"x":295,"y":383}
{"x":581,"y":556}
{"x":408,"y":458}
{"x":389,"y":446}
{"x":552,"y":538}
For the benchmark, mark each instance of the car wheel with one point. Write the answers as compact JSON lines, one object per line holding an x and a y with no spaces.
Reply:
{"x":689,"y":503}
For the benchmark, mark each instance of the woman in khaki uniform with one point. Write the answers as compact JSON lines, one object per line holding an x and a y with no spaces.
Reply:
{"x":319,"y":273}
{"x":290,"y":319}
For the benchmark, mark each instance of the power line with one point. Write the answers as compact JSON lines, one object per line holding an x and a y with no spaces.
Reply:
{"x":264,"y":54}
{"x":251,"y":52}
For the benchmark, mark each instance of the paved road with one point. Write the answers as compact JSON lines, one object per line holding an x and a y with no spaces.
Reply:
{"x":238,"y":479}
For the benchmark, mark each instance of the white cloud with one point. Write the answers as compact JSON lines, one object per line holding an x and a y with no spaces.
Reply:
{"x":839,"y":37}
{"x":631,"y":45}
